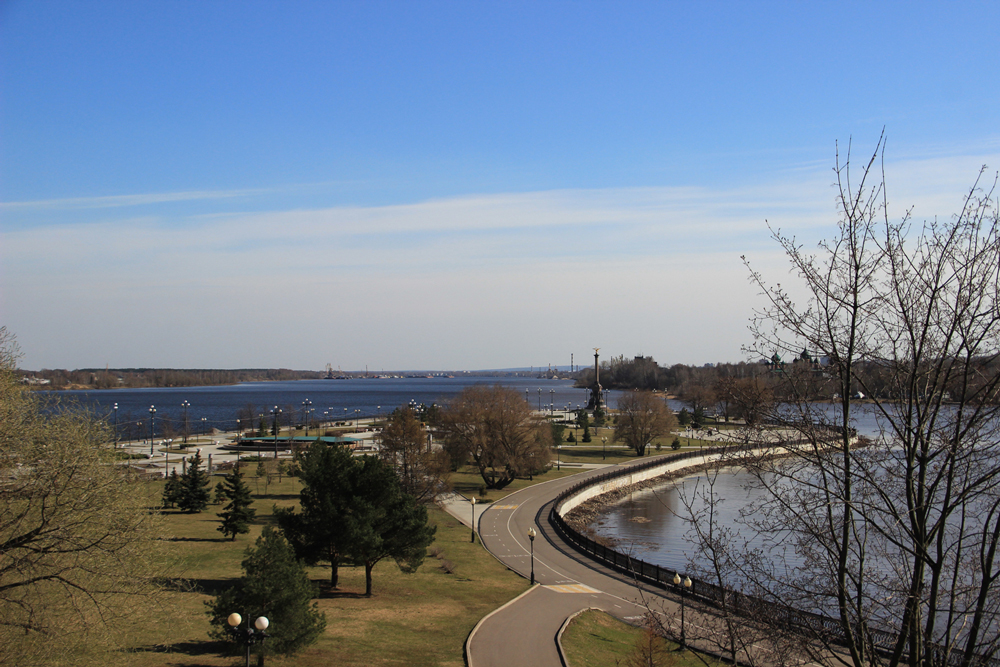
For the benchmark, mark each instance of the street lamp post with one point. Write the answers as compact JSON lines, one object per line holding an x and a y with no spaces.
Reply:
{"x":687,"y":585}
{"x":116,"y":426}
{"x":552,"y":401}
{"x":275,"y":412}
{"x":473,"y":519}
{"x":204,"y":425}
{"x":526,"y":395}
{"x":185,"y":405}
{"x":531,"y":540}
{"x":152,"y":415}
{"x":539,"y":399}
{"x":305,"y":414}
{"x":248,"y":636}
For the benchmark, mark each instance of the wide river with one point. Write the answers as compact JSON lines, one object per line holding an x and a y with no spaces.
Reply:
{"x":647,"y":521}
{"x":330,"y":399}
{"x":652,"y":524}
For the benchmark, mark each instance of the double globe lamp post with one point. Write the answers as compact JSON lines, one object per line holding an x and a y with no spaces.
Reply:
{"x":687,"y":586}
{"x":249,"y":635}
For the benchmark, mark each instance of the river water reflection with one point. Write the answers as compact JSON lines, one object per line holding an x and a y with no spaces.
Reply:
{"x":652,"y":523}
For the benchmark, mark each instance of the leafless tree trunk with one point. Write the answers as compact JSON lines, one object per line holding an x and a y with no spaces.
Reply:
{"x":899,"y":538}
{"x":422,"y":471}
{"x":499,"y":431}
{"x":642,"y":417}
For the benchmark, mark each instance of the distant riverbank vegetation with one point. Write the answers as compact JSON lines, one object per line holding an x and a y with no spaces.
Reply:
{"x":788,"y":375}
{"x":113,"y":378}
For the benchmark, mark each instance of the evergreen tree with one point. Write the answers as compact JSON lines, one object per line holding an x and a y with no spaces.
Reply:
{"x":220,"y":492}
{"x":319,"y":532}
{"x":194,"y":494}
{"x":698,"y":417}
{"x":237,"y":515}
{"x":172,"y":489}
{"x":354,"y":511}
{"x":274,"y":584}
{"x":385,"y":521}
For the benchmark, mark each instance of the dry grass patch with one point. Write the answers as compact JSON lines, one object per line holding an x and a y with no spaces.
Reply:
{"x":417,"y":619}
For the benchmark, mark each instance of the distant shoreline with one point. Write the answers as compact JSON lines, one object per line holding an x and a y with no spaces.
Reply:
{"x":112,"y":379}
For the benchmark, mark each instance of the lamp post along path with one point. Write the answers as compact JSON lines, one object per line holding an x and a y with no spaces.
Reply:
{"x":687,"y":585}
{"x":473,"y":520}
{"x":531,"y":540}
{"x":248,"y":636}
{"x":152,"y":415}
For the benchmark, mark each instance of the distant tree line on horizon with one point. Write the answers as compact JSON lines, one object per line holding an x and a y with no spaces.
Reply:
{"x":136,"y":378}
{"x":722,"y":387}
{"x":139,"y":378}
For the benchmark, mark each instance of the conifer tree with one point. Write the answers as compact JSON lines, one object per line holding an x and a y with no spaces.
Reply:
{"x":354,"y":511}
{"x":172,"y":490}
{"x":194,"y":494}
{"x":385,"y":521}
{"x":237,"y":515}
{"x":220,"y":493}
{"x":275,"y":585}
{"x":319,"y":531}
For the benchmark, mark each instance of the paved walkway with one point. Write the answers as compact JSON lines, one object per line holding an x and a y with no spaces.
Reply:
{"x":524,"y":631}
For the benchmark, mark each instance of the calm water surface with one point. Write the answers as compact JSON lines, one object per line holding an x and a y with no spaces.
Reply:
{"x":331,"y":399}
{"x":651,"y":524}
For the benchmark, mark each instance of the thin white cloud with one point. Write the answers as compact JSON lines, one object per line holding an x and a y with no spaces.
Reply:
{"x":119,"y":201}
{"x":462,"y":282}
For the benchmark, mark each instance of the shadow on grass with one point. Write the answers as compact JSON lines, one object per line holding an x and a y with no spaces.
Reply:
{"x":195,"y":539}
{"x":206,"y":586}
{"x":276,"y":496}
{"x":328,"y":593}
{"x":207,"y":647}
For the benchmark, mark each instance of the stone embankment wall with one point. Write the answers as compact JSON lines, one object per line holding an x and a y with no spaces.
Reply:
{"x":629,"y":478}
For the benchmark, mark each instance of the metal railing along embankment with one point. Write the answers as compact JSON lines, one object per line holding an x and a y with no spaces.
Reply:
{"x":720,"y":597}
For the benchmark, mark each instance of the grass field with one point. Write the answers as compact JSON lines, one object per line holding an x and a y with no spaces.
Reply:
{"x":597,"y":639}
{"x":416,"y":619}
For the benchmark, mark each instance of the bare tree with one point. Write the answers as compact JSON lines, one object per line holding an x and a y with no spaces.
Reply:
{"x":77,"y":542}
{"x":699,"y":395}
{"x":736,"y":625}
{"x":404,"y":444}
{"x":497,"y":428}
{"x":750,"y":399}
{"x":642,"y":417}
{"x":650,"y":649}
{"x":899,"y":539}
{"x":246,"y":416}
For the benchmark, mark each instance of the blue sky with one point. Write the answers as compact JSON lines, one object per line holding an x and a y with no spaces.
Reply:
{"x":451,"y":185}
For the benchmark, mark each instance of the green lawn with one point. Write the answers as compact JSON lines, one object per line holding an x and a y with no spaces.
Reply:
{"x":417,"y":619}
{"x":597,"y":639}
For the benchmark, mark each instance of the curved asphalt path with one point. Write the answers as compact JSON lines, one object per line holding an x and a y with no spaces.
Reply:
{"x":524,"y":631}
